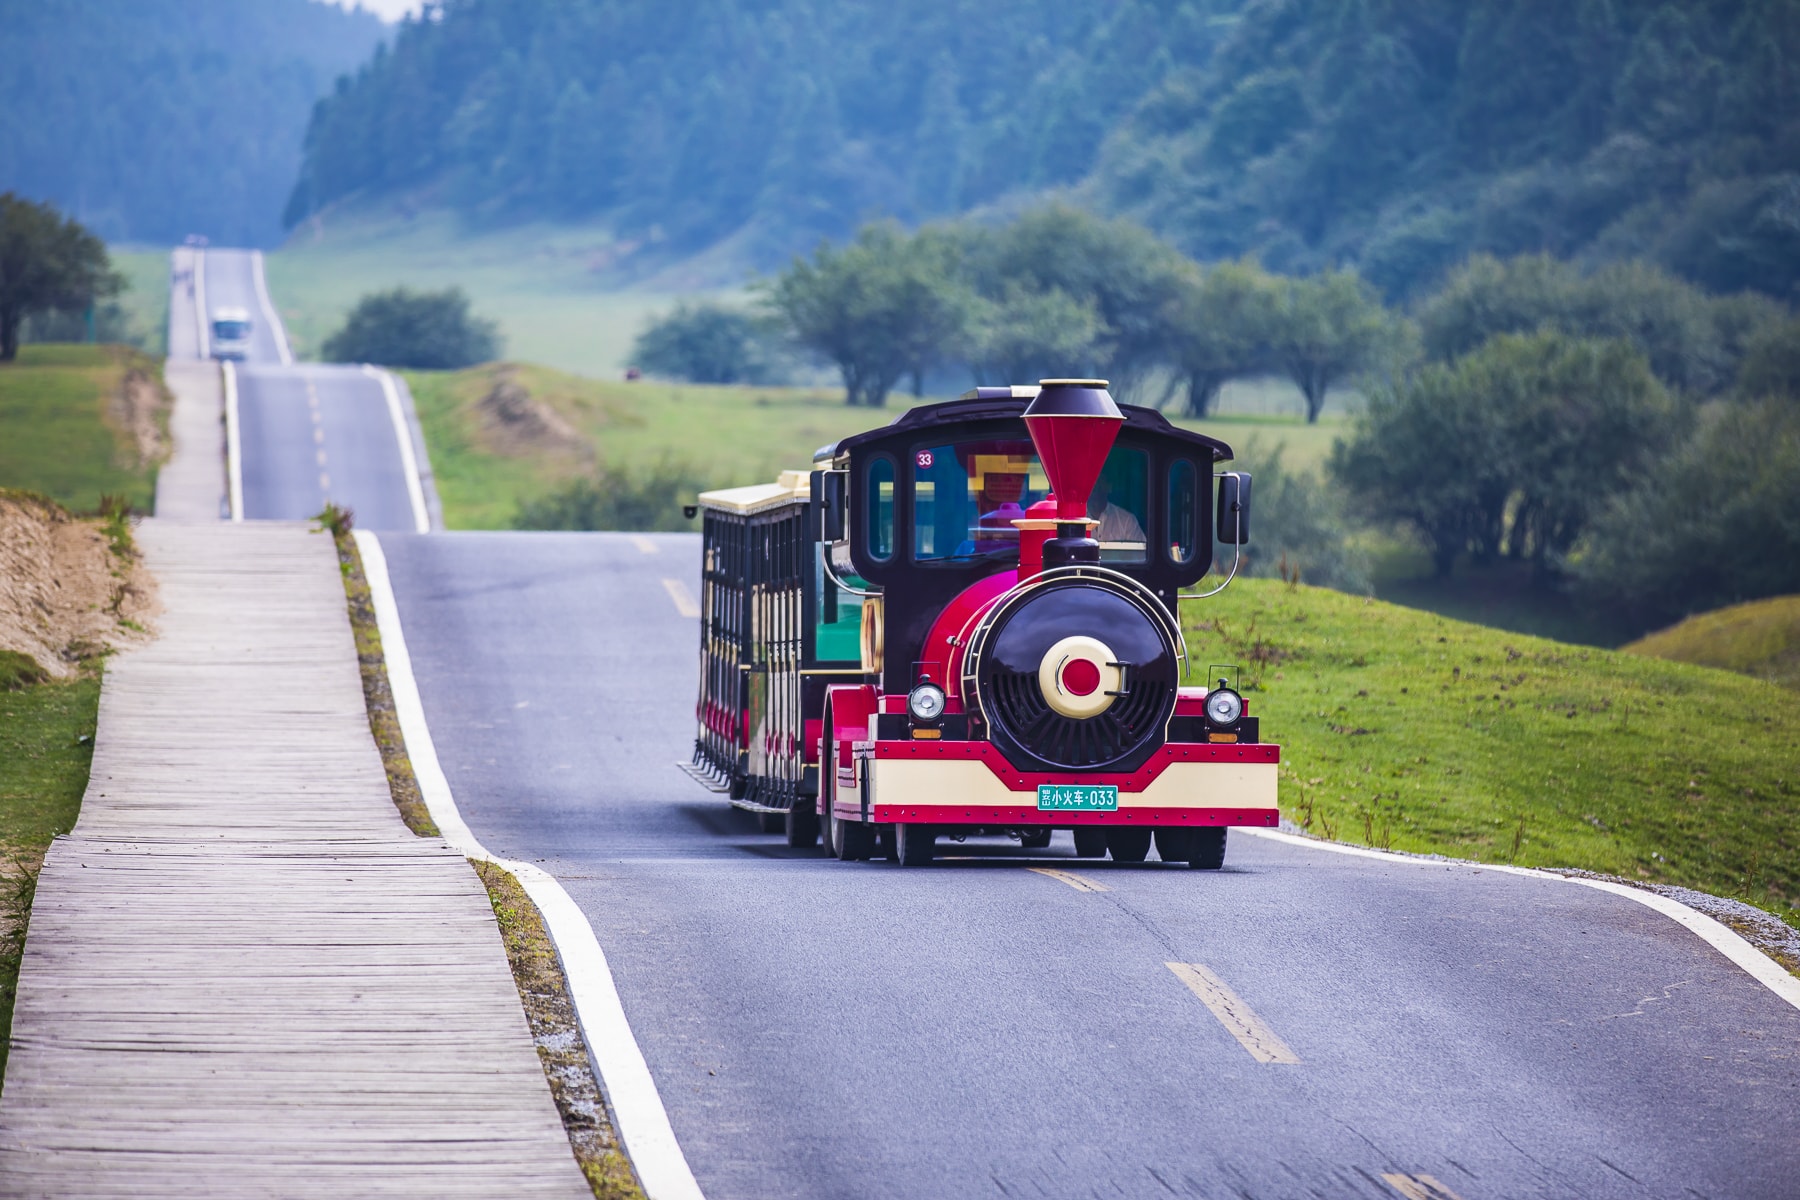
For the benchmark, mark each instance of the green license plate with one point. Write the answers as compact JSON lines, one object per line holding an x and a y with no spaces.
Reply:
{"x":1066,"y":797}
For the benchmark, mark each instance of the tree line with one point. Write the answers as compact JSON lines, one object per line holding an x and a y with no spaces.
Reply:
{"x":1527,"y":410}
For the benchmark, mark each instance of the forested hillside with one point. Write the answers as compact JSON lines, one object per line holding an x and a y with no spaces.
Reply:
{"x":148,"y":120}
{"x":1397,"y":138}
{"x":692,"y":118}
{"x":1404,"y":136}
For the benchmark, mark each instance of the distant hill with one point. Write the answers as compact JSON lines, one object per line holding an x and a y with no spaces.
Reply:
{"x":152,"y":119}
{"x":1395,"y":137}
{"x":689,"y":121}
{"x":1761,"y":638}
{"x":1401,"y":137}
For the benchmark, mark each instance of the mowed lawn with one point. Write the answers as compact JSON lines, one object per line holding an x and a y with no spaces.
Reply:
{"x":721,"y":436}
{"x":1411,"y":731}
{"x":60,"y":433}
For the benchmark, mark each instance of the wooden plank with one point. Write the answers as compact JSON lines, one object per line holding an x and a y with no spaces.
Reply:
{"x":244,"y":974}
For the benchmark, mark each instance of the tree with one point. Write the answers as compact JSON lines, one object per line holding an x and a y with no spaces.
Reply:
{"x":1510,"y":449}
{"x":47,"y":262}
{"x":428,"y":331}
{"x":1717,"y":522}
{"x":706,"y":343}
{"x":1328,"y":329}
{"x":1031,"y":335}
{"x":1220,"y":325}
{"x":1771,"y":365}
{"x":882,"y":307}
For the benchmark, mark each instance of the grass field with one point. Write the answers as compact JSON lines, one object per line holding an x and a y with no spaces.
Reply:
{"x":552,"y":288}
{"x":46,"y":746}
{"x":146,"y":298}
{"x":61,"y":433}
{"x":724,"y":436}
{"x":1761,"y":639}
{"x":1411,"y":731}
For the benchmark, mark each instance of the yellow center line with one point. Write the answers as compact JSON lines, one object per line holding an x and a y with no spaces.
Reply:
{"x":1238,"y":1018}
{"x":644,"y":544}
{"x":1079,"y":882}
{"x":1420,"y":1187}
{"x":684,"y":603}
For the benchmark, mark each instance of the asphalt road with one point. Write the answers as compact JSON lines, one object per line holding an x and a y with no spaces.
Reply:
{"x":309,"y":433}
{"x":824,"y":1029}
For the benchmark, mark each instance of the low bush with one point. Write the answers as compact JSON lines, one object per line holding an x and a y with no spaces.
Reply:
{"x":645,"y":500}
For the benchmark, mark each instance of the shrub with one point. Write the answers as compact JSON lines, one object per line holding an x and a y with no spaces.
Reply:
{"x":427,"y":331}
{"x":617,"y":498}
{"x":708,"y":343}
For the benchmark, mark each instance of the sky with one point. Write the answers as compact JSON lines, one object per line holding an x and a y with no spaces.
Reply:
{"x":387,"y":10}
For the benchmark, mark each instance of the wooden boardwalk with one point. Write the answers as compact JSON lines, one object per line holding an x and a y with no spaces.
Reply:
{"x":244,"y":975}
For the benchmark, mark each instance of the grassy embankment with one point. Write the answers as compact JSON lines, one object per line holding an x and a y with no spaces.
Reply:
{"x":146,"y":296}
{"x":1760,"y":639}
{"x":724,"y":435}
{"x":1407,"y":730}
{"x":68,"y":434}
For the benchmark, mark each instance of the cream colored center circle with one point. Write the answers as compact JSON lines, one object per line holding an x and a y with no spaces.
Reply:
{"x":1066,"y":702}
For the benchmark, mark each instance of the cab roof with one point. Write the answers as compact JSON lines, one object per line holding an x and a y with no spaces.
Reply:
{"x":1003,"y":403}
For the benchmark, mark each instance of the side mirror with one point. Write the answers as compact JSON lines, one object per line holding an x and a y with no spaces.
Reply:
{"x":828,"y":493}
{"x":1234,"y":508}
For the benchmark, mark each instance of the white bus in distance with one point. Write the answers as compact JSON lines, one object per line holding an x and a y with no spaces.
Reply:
{"x":230,"y":334}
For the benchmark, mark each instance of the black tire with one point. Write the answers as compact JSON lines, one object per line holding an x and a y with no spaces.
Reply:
{"x":854,"y":840}
{"x":1209,"y":848}
{"x":772,"y":822}
{"x":827,"y":790}
{"x":1128,"y":843}
{"x":1036,"y":839}
{"x":1176,"y":845}
{"x":914,"y":845}
{"x":1090,"y":841}
{"x":802,"y":824}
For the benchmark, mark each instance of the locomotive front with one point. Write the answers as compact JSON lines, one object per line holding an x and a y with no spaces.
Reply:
{"x":1046,"y":692}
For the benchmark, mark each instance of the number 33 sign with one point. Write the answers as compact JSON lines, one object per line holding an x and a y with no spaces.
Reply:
{"x":924,"y":458}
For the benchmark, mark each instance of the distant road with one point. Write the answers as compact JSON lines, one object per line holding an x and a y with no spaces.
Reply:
{"x":307,"y":433}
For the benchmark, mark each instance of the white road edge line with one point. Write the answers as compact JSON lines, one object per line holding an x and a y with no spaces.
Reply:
{"x":643,"y":1121}
{"x":409,"y":462}
{"x":202,"y":327}
{"x":1719,"y":936}
{"x":268,"y":307}
{"x":234,"y":444}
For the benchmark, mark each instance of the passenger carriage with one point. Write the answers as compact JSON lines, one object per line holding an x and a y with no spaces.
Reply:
{"x":966,"y":622}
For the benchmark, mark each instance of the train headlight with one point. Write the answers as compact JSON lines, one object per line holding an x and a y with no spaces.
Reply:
{"x":1224,"y":707}
{"x":926,"y":702}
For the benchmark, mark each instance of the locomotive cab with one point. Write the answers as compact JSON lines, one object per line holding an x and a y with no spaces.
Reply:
{"x":976,"y":630}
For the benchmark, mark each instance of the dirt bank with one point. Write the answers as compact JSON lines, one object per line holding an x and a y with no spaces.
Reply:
{"x":69,"y":587}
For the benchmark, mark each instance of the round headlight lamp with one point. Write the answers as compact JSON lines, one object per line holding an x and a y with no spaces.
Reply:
{"x":1224,"y":707}
{"x":925,"y":702}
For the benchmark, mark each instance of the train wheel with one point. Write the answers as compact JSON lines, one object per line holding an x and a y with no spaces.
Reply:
{"x":827,"y":790}
{"x":828,"y":835}
{"x":802,"y":824}
{"x":914,"y":845}
{"x":1036,"y":839}
{"x":1209,"y":848}
{"x":1176,"y":845}
{"x":1128,"y":843}
{"x":771,"y":822}
{"x":1090,"y":841}
{"x":855,"y":841}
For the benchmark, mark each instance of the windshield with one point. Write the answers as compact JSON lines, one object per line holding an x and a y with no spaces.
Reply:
{"x":967,"y":495}
{"x":231,"y":331}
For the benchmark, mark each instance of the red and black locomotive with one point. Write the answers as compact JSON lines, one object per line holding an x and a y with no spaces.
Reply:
{"x":966,"y":623}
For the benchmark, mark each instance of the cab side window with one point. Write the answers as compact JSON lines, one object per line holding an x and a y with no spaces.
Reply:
{"x":878,"y":508}
{"x":1183,"y":518}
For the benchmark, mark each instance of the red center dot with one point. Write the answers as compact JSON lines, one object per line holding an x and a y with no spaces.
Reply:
{"x":1080,"y":677}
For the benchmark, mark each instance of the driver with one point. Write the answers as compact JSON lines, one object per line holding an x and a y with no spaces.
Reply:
{"x":1116,"y":524}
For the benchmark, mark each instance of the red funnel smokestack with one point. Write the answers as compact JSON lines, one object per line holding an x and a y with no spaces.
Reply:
{"x":1073,"y":423}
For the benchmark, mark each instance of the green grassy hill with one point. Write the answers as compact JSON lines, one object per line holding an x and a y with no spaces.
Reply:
{"x":81,"y":422}
{"x":1407,"y":730}
{"x":720,"y":436}
{"x":1761,"y":638}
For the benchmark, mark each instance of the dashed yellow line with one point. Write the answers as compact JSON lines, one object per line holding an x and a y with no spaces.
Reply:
{"x":1420,"y":1187}
{"x":684,"y":603}
{"x":1238,"y":1018}
{"x":1080,"y":883}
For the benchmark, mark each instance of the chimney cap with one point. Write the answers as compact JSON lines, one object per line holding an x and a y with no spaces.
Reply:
{"x":1073,"y":398}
